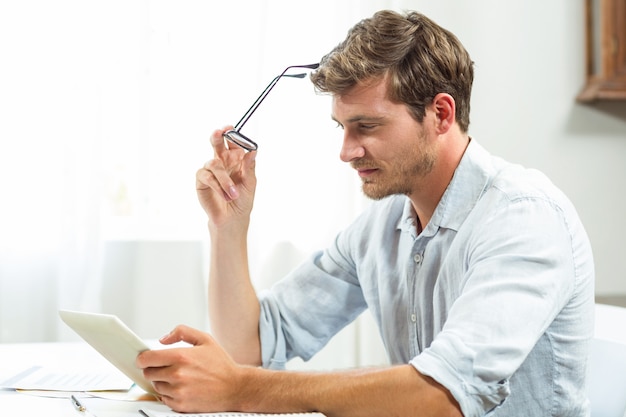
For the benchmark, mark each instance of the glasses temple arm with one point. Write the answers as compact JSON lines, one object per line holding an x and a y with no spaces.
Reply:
{"x":267,"y":90}
{"x":256,"y":103}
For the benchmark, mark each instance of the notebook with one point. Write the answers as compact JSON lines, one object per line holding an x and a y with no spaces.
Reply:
{"x":154,"y":413}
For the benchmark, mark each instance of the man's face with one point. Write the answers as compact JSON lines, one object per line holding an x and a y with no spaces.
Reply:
{"x":390,"y":150}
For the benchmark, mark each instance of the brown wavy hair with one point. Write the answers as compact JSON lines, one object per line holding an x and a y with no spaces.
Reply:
{"x":420,"y":58}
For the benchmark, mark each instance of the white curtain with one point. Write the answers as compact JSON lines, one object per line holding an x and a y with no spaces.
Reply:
{"x":105,"y":112}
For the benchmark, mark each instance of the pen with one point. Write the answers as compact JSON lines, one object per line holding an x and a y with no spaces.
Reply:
{"x":77,"y":405}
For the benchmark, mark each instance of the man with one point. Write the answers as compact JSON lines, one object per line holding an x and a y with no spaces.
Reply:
{"x":478,"y":272}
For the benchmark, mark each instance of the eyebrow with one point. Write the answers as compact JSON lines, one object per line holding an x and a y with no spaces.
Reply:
{"x":360,"y":118}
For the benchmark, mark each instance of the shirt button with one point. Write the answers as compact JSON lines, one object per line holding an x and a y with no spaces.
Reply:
{"x":417,"y":258}
{"x":413,"y":318}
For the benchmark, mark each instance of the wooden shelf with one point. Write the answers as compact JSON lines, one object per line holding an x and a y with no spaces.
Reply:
{"x":606,"y":51}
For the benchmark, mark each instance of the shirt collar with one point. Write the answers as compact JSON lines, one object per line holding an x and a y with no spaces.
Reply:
{"x":468,"y":182}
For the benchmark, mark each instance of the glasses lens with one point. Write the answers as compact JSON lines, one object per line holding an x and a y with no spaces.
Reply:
{"x":241,"y":140}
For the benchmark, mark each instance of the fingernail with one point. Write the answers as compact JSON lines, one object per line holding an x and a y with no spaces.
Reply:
{"x":232,"y":192}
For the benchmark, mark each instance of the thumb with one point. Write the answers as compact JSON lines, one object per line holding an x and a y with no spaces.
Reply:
{"x":182,"y":333}
{"x":249,"y":162}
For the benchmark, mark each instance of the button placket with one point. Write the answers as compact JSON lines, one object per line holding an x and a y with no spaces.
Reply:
{"x":417,"y":262}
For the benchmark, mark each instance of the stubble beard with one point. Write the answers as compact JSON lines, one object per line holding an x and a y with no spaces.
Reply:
{"x":402,"y":177}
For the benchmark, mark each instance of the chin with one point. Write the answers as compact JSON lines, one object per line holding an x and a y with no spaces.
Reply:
{"x":376,"y":192}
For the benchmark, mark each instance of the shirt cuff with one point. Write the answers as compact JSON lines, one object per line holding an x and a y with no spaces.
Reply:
{"x":474,"y":395}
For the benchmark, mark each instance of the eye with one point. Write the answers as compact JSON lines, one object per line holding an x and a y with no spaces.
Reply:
{"x":339,"y":125}
{"x":367,"y":126}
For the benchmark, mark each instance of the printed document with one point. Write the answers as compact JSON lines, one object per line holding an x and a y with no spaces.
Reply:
{"x":45,"y":379}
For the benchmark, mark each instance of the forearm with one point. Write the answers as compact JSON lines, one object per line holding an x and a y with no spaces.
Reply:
{"x":233,"y":305}
{"x":397,"y":391}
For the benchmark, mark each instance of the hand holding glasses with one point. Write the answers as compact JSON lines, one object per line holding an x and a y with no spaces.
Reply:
{"x":234,"y":135}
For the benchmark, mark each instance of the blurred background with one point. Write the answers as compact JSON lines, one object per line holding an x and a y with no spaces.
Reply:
{"x":106,"y":108}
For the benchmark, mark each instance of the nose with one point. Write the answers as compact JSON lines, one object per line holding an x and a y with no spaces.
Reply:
{"x":351,"y":149}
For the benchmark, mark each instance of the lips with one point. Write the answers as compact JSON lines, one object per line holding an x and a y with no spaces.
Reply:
{"x":366,"y":172}
{"x":364,"y":169}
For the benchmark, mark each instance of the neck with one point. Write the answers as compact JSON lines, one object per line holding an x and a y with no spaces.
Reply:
{"x":428,"y":193}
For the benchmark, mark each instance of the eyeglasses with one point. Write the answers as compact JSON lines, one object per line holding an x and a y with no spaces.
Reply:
{"x":234,"y":135}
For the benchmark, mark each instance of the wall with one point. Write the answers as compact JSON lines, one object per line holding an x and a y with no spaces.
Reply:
{"x":154,"y":286}
{"x":529,"y":59}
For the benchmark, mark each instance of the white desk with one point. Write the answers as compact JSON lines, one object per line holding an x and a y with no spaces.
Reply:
{"x":79,"y":355}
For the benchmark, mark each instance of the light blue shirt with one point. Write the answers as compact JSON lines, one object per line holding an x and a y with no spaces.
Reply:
{"x":494,"y":299}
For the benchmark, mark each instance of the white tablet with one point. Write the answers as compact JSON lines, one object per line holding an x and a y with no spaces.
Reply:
{"x":113,"y":339}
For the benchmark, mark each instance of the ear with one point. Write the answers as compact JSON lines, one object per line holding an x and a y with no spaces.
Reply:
{"x":445,"y":112}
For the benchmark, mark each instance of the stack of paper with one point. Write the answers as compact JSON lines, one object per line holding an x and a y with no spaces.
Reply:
{"x":46,"y":379}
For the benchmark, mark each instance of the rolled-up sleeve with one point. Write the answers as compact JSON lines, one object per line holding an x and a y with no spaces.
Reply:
{"x":303,"y":311}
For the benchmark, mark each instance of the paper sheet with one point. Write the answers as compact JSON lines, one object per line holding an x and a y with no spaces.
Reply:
{"x":40,"y":378}
{"x":164,"y":412}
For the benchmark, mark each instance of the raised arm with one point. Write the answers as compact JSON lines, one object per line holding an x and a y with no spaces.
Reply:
{"x":225,"y":188}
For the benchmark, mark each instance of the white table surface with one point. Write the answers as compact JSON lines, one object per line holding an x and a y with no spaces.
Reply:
{"x":69,"y":356}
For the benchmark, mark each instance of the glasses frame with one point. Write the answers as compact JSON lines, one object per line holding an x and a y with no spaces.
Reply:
{"x":234,"y":135}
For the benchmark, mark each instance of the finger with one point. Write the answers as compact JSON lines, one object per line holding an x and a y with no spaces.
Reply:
{"x":156,"y":362}
{"x":218,"y":141}
{"x":249,"y":162}
{"x":186,"y":334}
{"x":247,"y":174}
{"x":206,"y":180}
{"x":162,"y":388}
{"x":214,"y":175}
{"x":165,"y":391}
{"x":168,"y":401}
{"x":175,"y":404}
{"x":153,"y":360}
